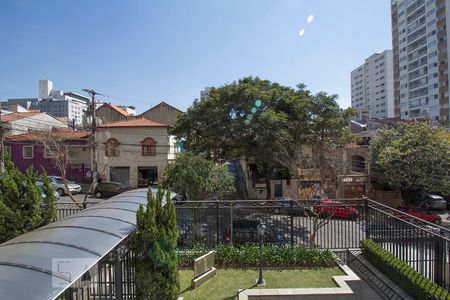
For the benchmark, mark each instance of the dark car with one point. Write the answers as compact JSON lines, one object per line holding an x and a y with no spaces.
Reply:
{"x":428,"y":201}
{"x":109,"y":189}
{"x":246,"y":232}
{"x":282,"y":206}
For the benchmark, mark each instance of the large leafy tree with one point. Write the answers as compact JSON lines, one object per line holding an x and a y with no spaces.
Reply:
{"x":250,"y":118}
{"x":195,"y":177}
{"x":154,"y":244}
{"x":413,"y":155}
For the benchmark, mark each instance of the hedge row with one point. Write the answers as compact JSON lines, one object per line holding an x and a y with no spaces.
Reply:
{"x":401,"y":273}
{"x":247,"y":256}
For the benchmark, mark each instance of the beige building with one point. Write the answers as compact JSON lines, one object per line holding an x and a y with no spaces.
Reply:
{"x":162,"y":113}
{"x":134,"y":152}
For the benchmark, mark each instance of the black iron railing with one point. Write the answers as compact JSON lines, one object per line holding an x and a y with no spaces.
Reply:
{"x":336,"y":225}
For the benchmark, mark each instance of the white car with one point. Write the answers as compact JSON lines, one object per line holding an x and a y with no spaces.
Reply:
{"x":57,"y":184}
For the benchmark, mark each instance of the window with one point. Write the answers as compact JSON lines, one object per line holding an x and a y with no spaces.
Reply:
{"x":112,"y":147}
{"x":27,"y":152}
{"x":148,"y":147}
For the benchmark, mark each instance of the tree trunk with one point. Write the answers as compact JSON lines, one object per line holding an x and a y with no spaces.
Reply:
{"x":268,"y":187}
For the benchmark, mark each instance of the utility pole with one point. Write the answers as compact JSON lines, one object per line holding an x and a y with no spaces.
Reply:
{"x":91,"y":110}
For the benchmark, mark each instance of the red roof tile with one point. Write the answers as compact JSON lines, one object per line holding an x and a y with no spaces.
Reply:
{"x":133,"y":123}
{"x":119,"y":110}
{"x":67,"y":134}
{"x":18,"y":115}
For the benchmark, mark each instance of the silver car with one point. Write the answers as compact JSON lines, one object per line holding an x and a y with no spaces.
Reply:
{"x":57,"y":184}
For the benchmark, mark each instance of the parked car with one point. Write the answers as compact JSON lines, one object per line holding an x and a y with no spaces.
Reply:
{"x":109,"y":189}
{"x":57,"y":184}
{"x":429,"y":201}
{"x":336,"y":209}
{"x":283,"y":206}
{"x":245,"y":231}
{"x":419,"y":213}
{"x":40,"y":185}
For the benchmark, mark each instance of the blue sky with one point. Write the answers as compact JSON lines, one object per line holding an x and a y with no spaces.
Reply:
{"x":141,"y":52}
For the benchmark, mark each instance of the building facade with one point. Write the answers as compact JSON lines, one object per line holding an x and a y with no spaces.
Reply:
{"x":420,"y":49}
{"x":27,"y":150}
{"x":162,"y":113}
{"x":108,"y":113}
{"x":56,"y":103}
{"x":134,"y":152}
{"x":373,"y":86}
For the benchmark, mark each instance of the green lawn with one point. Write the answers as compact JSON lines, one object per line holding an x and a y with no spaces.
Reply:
{"x":227,"y":281}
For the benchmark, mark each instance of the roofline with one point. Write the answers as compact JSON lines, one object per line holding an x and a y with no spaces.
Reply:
{"x":162,"y":102}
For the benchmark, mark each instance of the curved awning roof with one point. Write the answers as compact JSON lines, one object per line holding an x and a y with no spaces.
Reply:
{"x":43,"y":263}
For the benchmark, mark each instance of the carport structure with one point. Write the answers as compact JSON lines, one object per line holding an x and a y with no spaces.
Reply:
{"x":84,"y":256}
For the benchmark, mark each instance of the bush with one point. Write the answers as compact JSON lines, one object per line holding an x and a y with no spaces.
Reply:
{"x":247,"y":256}
{"x":401,"y":273}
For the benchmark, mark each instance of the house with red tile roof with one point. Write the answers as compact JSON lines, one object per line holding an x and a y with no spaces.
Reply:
{"x":134,"y":152}
{"x":108,"y":113}
{"x":27,"y":150}
{"x":22,"y":122}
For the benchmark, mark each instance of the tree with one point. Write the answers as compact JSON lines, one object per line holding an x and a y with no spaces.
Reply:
{"x":250,"y":118}
{"x":21,"y":205}
{"x":412,"y":155}
{"x":195,"y":177}
{"x":154,"y":243}
{"x":55,"y":147}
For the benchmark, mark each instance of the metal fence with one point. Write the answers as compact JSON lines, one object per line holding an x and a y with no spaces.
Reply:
{"x":336,"y":225}
{"x":66,"y":209}
{"x":423,"y":245}
{"x":111,"y":278}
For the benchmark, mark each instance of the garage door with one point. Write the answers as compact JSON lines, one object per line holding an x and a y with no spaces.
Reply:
{"x":120,"y":174}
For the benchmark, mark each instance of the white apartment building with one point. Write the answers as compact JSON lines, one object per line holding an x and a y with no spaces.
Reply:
{"x":373,"y":86}
{"x":420,"y":43}
{"x":56,"y":103}
{"x":205,"y":93}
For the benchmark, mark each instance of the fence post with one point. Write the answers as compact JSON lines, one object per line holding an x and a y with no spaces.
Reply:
{"x":439,"y":260}
{"x":292,"y":221}
{"x":366,"y":216}
{"x":231,"y":223}
{"x":118,"y":274}
{"x":218,"y":221}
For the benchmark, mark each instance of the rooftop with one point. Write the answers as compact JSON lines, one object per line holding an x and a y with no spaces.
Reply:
{"x":18,"y":116}
{"x":67,"y":134}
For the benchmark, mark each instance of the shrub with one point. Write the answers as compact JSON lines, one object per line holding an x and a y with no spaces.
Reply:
{"x":401,"y":273}
{"x":247,"y":256}
{"x":154,"y":243}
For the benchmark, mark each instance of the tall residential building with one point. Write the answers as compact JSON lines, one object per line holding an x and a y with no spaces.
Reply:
{"x":420,"y":42}
{"x":205,"y":93}
{"x":56,"y":103}
{"x":373,"y":86}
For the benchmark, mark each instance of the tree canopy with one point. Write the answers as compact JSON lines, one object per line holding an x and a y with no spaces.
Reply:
{"x":260,"y":120}
{"x":195,"y":177}
{"x":412,"y":155}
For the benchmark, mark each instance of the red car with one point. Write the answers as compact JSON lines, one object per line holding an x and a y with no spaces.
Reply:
{"x":336,"y":209}
{"x":420,"y":213}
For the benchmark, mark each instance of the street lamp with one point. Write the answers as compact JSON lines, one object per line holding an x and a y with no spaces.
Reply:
{"x":261,"y":232}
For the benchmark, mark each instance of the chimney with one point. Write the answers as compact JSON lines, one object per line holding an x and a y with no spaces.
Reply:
{"x":45,"y":88}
